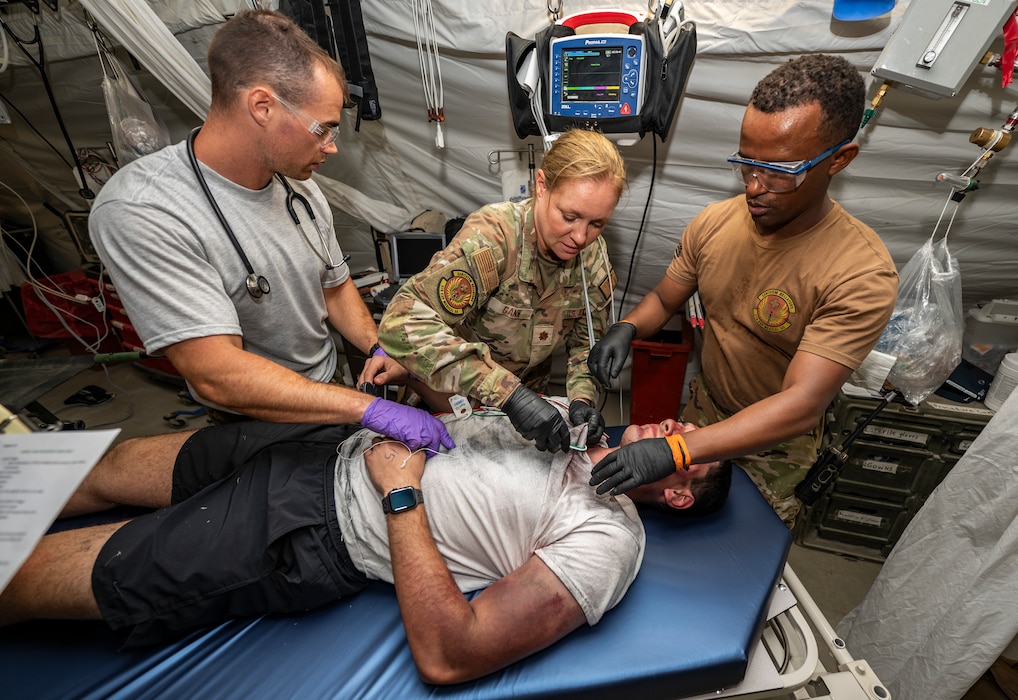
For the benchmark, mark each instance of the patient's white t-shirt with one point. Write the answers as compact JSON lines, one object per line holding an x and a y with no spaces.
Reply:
{"x":493,"y":502}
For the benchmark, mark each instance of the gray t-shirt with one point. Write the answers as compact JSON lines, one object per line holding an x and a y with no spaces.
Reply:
{"x":492,"y":503}
{"x":179,"y":276}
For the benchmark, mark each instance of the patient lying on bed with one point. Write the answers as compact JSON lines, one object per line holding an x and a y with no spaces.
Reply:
{"x":264,"y":518}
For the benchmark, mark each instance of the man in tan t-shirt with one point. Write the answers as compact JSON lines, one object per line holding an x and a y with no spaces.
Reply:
{"x":796,"y":292}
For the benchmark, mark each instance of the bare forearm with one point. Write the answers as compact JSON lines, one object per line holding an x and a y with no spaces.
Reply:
{"x":436,"y":615}
{"x":453,"y":639}
{"x":751,"y":430}
{"x":249,"y":384}
{"x":811,"y":382}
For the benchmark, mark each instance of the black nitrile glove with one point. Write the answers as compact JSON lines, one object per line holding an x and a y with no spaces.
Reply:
{"x":609,"y":354}
{"x":537,"y":420}
{"x":581,"y":412}
{"x":637,"y":463}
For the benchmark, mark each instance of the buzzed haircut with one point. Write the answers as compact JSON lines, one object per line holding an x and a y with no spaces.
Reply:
{"x":710,"y":492}
{"x":262,"y":47}
{"x":828,"y":80}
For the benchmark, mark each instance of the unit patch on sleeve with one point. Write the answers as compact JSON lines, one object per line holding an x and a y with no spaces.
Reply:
{"x":457,"y":292}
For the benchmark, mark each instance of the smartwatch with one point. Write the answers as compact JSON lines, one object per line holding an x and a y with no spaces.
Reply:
{"x":402,"y":499}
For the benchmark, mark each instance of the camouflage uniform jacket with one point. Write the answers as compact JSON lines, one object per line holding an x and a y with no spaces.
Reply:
{"x":479,"y":320}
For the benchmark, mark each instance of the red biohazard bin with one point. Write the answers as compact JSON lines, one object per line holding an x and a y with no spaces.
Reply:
{"x":659,"y":375}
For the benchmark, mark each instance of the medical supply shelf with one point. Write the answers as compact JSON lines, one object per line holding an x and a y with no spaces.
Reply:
{"x":893,"y":466}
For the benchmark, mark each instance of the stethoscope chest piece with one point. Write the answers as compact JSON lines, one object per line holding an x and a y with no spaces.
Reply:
{"x":257,"y":285}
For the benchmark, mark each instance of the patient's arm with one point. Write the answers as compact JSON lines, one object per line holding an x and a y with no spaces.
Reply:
{"x":453,"y":639}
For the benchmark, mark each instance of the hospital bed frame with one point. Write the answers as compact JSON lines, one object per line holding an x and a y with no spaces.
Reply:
{"x":790,"y":641}
{"x":714,"y":612}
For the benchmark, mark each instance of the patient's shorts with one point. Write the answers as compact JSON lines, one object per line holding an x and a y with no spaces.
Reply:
{"x":252,"y":530}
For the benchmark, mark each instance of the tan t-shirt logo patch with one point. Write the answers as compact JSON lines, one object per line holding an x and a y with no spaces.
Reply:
{"x":773,"y":311}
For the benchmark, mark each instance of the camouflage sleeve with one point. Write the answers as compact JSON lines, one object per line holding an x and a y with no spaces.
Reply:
{"x":601,"y":280}
{"x":424,"y":325}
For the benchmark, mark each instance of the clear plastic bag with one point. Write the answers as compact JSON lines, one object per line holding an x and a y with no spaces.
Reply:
{"x":925,"y":331}
{"x":137,"y":130}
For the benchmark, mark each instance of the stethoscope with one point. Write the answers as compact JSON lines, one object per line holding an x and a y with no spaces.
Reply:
{"x":256,"y":284}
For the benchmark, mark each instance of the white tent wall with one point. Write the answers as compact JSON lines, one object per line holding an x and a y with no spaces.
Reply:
{"x":35,"y":160}
{"x":890,"y":186}
{"x":396,"y":165}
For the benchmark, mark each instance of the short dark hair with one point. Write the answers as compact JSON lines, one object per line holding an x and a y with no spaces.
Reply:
{"x":710,"y":492}
{"x":256,"y":46}
{"x":830,"y":81}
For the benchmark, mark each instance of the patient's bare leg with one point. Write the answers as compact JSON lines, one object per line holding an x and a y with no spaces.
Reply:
{"x":137,"y":472}
{"x":56,"y":580}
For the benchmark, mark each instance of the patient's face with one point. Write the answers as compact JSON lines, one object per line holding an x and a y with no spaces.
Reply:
{"x":654,"y":430}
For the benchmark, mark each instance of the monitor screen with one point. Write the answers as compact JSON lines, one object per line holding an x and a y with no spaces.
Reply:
{"x":592,"y":74}
{"x":411,"y":252}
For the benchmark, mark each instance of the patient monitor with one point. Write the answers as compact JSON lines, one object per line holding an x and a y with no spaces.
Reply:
{"x":618,"y":72}
{"x":597,"y":75}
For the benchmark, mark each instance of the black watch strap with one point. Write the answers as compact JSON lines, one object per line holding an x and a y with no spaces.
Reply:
{"x":371,"y":352}
{"x":402,"y":499}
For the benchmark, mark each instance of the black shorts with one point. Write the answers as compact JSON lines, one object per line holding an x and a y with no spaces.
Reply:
{"x":252,"y":530}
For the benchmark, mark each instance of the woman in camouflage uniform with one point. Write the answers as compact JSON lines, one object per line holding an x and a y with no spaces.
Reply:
{"x":519,"y":281}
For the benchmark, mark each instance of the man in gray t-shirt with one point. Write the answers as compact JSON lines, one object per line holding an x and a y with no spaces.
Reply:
{"x":259,"y":518}
{"x":223,"y":251}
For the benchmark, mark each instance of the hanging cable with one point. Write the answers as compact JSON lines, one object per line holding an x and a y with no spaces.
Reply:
{"x":40,"y":63}
{"x":643,"y":219}
{"x":7,"y":52}
{"x":950,"y":222}
{"x":44,"y":291}
{"x":431,"y":70}
{"x":34,"y":128}
{"x":632,"y":259}
{"x":27,"y":266}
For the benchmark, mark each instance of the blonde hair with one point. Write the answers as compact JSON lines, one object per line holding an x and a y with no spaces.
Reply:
{"x":581,"y":154}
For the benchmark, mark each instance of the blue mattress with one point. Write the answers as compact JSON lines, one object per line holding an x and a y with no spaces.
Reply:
{"x":685,"y":627}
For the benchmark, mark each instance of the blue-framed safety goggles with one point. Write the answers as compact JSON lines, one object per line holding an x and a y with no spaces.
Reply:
{"x":777,"y":177}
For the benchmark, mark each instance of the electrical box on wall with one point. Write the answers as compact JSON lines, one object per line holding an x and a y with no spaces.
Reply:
{"x":939,"y":42}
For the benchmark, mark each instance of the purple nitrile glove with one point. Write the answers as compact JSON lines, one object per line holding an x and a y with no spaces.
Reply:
{"x":413,"y":427}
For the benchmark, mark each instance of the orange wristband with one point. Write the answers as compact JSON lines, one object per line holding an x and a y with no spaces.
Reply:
{"x":680,"y":453}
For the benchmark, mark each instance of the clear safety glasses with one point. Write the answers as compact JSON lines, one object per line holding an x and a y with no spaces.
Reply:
{"x":324,"y":134}
{"x":776,"y":177}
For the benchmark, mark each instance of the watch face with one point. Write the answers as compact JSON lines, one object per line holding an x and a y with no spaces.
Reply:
{"x":402,"y":499}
